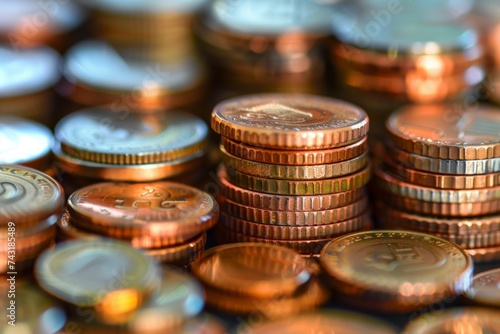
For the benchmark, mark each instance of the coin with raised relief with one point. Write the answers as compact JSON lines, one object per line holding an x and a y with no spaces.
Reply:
{"x":485,"y":288}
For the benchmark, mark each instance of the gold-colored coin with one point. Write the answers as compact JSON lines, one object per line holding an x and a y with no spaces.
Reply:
{"x":252,"y":269}
{"x":286,"y":172}
{"x":445,"y":132}
{"x":405,"y":270}
{"x":485,"y":288}
{"x":289,"y":121}
{"x":27,"y":196}
{"x":456,"y":321}
{"x":303,"y":187}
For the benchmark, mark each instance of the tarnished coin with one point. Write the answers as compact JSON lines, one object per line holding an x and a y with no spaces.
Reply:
{"x":485,"y":288}
{"x":165,"y":213}
{"x":290,"y":121}
{"x":405,"y":270}
{"x":27,"y":196}
{"x":252,"y":269}
{"x":456,"y":321}
{"x":445,"y":132}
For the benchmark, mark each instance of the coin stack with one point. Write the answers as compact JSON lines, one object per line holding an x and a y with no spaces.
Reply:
{"x":122,"y":289}
{"x":255,"y":278}
{"x":395,"y":271}
{"x":266,"y":45}
{"x":442,"y":175}
{"x":294,"y":169}
{"x":99,"y":144}
{"x":168,"y":220}
{"x":30,"y":203}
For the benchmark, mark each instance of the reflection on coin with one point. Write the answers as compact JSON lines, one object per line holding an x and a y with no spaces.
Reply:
{"x":485,"y":288}
{"x":252,"y":269}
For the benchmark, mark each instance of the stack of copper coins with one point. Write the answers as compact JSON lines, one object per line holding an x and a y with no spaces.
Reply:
{"x":122,"y":289}
{"x":294,"y":169}
{"x":26,"y":80}
{"x":393,"y":57}
{"x":99,"y":144}
{"x":260,"y":46}
{"x":396,"y":271}
{"x":254,"y":278}
{"x":166,"y":219}
{"x":442,"y":175}
{"x":30,"y":203}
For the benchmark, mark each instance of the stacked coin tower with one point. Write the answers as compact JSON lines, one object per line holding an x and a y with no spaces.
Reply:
{"x":293,"y":170}
{"x":166,"y":219}
{"x":255,"y":278}
{"x":441,"y":175}
{"x":30,"y":203}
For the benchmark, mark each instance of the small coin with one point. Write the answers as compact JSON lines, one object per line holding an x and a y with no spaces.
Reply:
{"x":283,"y":202}
{"x":485,"y":288}
{"x":327,"y":321}
{"x":445,"y":132}
{"x":165,"y":213}
{"x":456,"y":321}
{"x":406,"y":270}
{"x":252,"y":269}
{"x":27,"y":196}
{"x":289,"y":121}
{"x":286,"y":172}
{"x":304,"y":187}
{"x":294,"y":157}
{"x":103,"y":136}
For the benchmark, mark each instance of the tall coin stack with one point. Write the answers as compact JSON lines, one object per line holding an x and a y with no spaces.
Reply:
{"x":294,"y":169}
{"x":442,"y":175}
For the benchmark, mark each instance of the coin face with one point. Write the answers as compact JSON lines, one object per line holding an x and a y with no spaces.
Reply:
{"x":27,"y":196}
{"x":252,"y":269}
{"x":95,"y":271}
{"x":288,"y":121}
{"x":485,"y":288}
{"x":398,"y":262}
{"x":104,"y":136}
{"x":444,"y":132}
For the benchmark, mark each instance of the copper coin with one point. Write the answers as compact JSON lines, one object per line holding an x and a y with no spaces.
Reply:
{"x":484,"y":255}
{"x":283,"y":202}
{"x":443,"y":132}
{"x":304,"y":187}
{"x":293,"y":157}
{"x":288,"y":121}
{"x":485,"y":288}
{"x":171,"y":213}
{"x":252,"y":269}
{"x":295,"y":233}
{"x":456,"y":321}
{"x":27,"y":196}
{"x":409,"y":269}
{"x":288,"y":172}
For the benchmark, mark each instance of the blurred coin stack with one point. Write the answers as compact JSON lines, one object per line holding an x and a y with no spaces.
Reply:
{"x":266,"y":45}
{"x":294,"y":169}
{"x":168,"y":220}
{"x":441,"y":175}
{"x":254,"y":278}
{"x":98,"y":144}
{"x":123,"y":290}
{"x":30,"y":203}
{"x":398,"y":55}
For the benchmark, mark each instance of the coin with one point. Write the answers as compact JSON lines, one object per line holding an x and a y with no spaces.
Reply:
{"x":325,"y":321}
{"x":165,"y":213}
{"x":283,"y":202}
{"x":442,"y":132}
{"x":293,"y":157}
{"x":485,"y":288}
{"x":104,"y":136}
{"x":290,"y":121}
{"x":252,"y":269}
{"x":27,"y":196}
{"x":108,"y":275}
{"x":484,"y":255}
{"x":303,"y":187}
{"x":405,"y":270}
{"x":456,"y":321}
{"x":287,"y":172}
